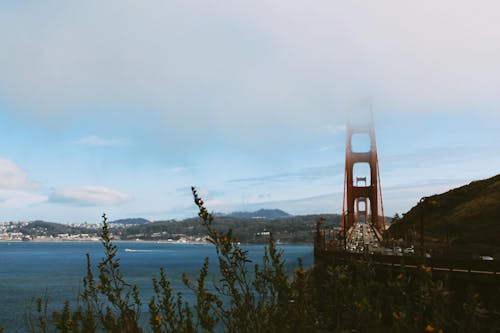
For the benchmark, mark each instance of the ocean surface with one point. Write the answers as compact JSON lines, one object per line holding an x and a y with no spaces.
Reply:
{"x":32,"y":269}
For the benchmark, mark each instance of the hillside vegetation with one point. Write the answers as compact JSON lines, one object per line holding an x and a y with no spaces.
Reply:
{"x":286,"y":229}
{"x":463,"y":221}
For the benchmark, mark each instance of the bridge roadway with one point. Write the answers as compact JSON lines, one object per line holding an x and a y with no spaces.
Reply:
{"x":456,"y":268}
{"x":361,"y":237}
{"x":362,"y":243}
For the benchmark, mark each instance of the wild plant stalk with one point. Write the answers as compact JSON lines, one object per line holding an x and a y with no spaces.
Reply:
{"x":109,"y":303}
{"x":258,"y":301}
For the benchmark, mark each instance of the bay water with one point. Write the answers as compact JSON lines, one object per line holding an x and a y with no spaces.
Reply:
{"x":55,"y":269}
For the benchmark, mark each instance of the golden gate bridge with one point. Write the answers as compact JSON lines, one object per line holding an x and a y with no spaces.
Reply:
{"x":363,"y":221}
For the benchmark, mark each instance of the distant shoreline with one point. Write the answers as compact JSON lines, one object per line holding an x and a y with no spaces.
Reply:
{"x":139,"y":241}
{"x":98,"y":241}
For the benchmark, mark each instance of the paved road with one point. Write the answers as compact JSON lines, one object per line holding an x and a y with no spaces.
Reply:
{"x":361,"y":238}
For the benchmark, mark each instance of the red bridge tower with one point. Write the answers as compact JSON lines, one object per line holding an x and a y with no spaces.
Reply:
{"x":362,"y":200}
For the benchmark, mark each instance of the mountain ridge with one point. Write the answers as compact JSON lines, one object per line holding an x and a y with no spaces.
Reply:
{"x":131,"y":221}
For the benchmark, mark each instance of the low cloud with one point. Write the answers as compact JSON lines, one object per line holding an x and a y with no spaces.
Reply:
{"x":89,"y":196}
{"x":20,"y":199}
{"x":12,"y":176}
{"x":258,"y":65}
{"x":17,"y":189}
{"x":94,"y":140}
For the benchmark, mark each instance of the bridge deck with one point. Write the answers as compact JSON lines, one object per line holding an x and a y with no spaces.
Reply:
{"x":460,"y":268}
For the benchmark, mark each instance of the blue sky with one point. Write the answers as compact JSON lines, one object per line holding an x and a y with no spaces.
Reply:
{"x":121,"y":106}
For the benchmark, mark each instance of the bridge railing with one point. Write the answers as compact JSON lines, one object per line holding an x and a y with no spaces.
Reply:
{"x":438,"y":265}
{"x":327,"y":239}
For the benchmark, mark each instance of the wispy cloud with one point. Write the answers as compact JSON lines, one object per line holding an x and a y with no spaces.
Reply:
{"x":335,"y":129}
{"x":439,"y":156}
{"x":176,"y":169}
{"x":330,"y":147}
{"x":89,"y":196}
{"x":318,"y":204}
{"x":95,"y":140}
{"x":304,"y":174}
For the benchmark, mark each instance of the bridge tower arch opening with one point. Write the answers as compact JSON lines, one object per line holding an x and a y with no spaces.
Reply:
{"x":361,"y":210}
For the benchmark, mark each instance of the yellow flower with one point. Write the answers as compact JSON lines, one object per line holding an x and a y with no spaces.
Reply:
{"x":429,"y":328}
{"x":395,"y":315}
{"x":401,"y":276}
{"x":158,"y":318}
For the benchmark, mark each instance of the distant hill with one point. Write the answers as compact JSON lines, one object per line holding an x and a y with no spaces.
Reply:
{"x":261,"y":214}
{"x":289,"y":229}
{"x":465,"y":221}
{"x":253,"y":229}
{"x":39,"y":228}
{"x":133,"y":221}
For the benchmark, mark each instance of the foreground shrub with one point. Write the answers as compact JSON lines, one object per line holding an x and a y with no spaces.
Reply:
{"x":249,"y":297}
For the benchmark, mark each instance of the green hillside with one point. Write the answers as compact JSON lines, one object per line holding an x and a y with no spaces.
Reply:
{"x":42,"y":228}
{"x":464,"y":221}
